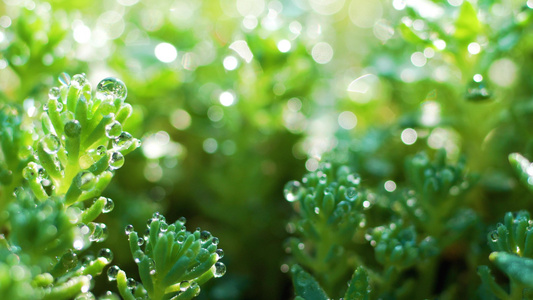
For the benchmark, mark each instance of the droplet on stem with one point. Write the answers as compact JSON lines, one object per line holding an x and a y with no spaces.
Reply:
{"x":292,"y":190}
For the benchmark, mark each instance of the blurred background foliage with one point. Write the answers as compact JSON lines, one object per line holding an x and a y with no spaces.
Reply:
{"x":233,"y":98}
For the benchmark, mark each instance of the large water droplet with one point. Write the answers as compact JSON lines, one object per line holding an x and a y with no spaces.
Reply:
{"x":86,"y":180}
{"x":111,"y":87}
{"x":292,"y":190}
{"x":106,"y":254}
{"x":123,"y":141}
{"x":116,"y":160}
{"x":109,"y":205}
{"x":184,"y":285}
{"x":29,"y":173}
{"x":129,"y":229}
{"x":54,"y":93}
{"x":50,"y":144}
{"x":112,"y":273}
{"x":220,"y":253}
{"x":220,"y":269}
{"x":205,"y":235}
{"x":64,"y":78}
{"x":131,"y":283}
{"x":477,"y":91}
{"x":78,"y":80}
{"x":113,"y":130}
{"x":72,"y":129}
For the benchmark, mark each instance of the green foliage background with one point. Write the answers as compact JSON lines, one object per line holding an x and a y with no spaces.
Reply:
{"x":224,"y":167}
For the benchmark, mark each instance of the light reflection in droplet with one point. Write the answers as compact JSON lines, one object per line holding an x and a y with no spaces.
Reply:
{"x":180,"y":119}
{"x":347,"y":120}
{"x":418,"y":59}
{"x":390,"y":186}
{"x":474,"y":48}
{"x":165,"y":52}
{"x":226,"y":98}
{"x":440,"y":44}
{"x":409,"y":136}
{"x":230,"y":63}
{"x":284,"y":46}
{"x":478,"y":78}
{"x":82,"y":33}
{"x":250,"y":22}
{"x":242,"y":49}
{"x":210,"y":145}
{"x":322,"y":53}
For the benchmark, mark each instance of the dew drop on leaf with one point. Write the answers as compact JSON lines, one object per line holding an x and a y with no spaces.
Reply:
{"x":70,"y":259}
{"x":292,"y":190}
{"x":123,"y":141}
{"x":116,"y":160}
{"x":109,"y":205}
{"x":50,"y":144}
{"x":86,"y":180}
{"x":64,"y":78}
{"x":184,"y":285}
{"x":106,"y":254}
{"x":54,"y":93}
{"x":111,"y":87}
{"x":132,"y":284}
{"x":113,"y":130}
{"x":129,"y":229}
{"x":220,"y":253}
{"x":112,"y":273}
{"x":220,"y":269}
{"x":72,"y":128}
{"x":205,"y":235}
{"x":78,"y":80}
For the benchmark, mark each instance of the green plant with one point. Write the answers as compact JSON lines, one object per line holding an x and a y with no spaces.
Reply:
{"x":55,"y":167}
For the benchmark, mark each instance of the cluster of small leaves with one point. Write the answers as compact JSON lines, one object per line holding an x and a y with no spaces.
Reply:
{"x":172,"y":261}
{"x":344,"y":225}
{"x":52,"y":173}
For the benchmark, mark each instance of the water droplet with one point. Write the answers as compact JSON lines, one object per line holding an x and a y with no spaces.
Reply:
{"x":45,"y":107}
{"x":184,"y":285}
{"x":78,"y":80}
{"x":220,"y":269}
{"x":106,"y":254}
{"x":101,"y":150}
{"x":29,"y":172}
{"x":129,"y":229}
{"x":477,"y":91}
{"x":182,"y":220}
{"x":112,"y":273}
{"x":69,"y":259}
{"x":109,"y":205}
{"x":72,"y":128}
{"x":140,"y":241}
{"x":123,"y":141}
{"x":132,"y":284}
{"x":323,"y":179}
{"x":205,"y":235}
{"x":351,"y":194}
{"x":220,"y":253}
{"x":86,"y":180}
{"x":59,"y":107}
{"x":64,"y":79}
{"x":292,"y":190}
{"x":112,"y":87}
{"x":50,"y":144}
{"x":138,"y":256}
{"x":116,"y":160}
{"x":113,"y":129}
{"x":54,"y":93}
{"x":214,"y":241}
{"x":163,"y":226}
{"x":494,"y":236}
